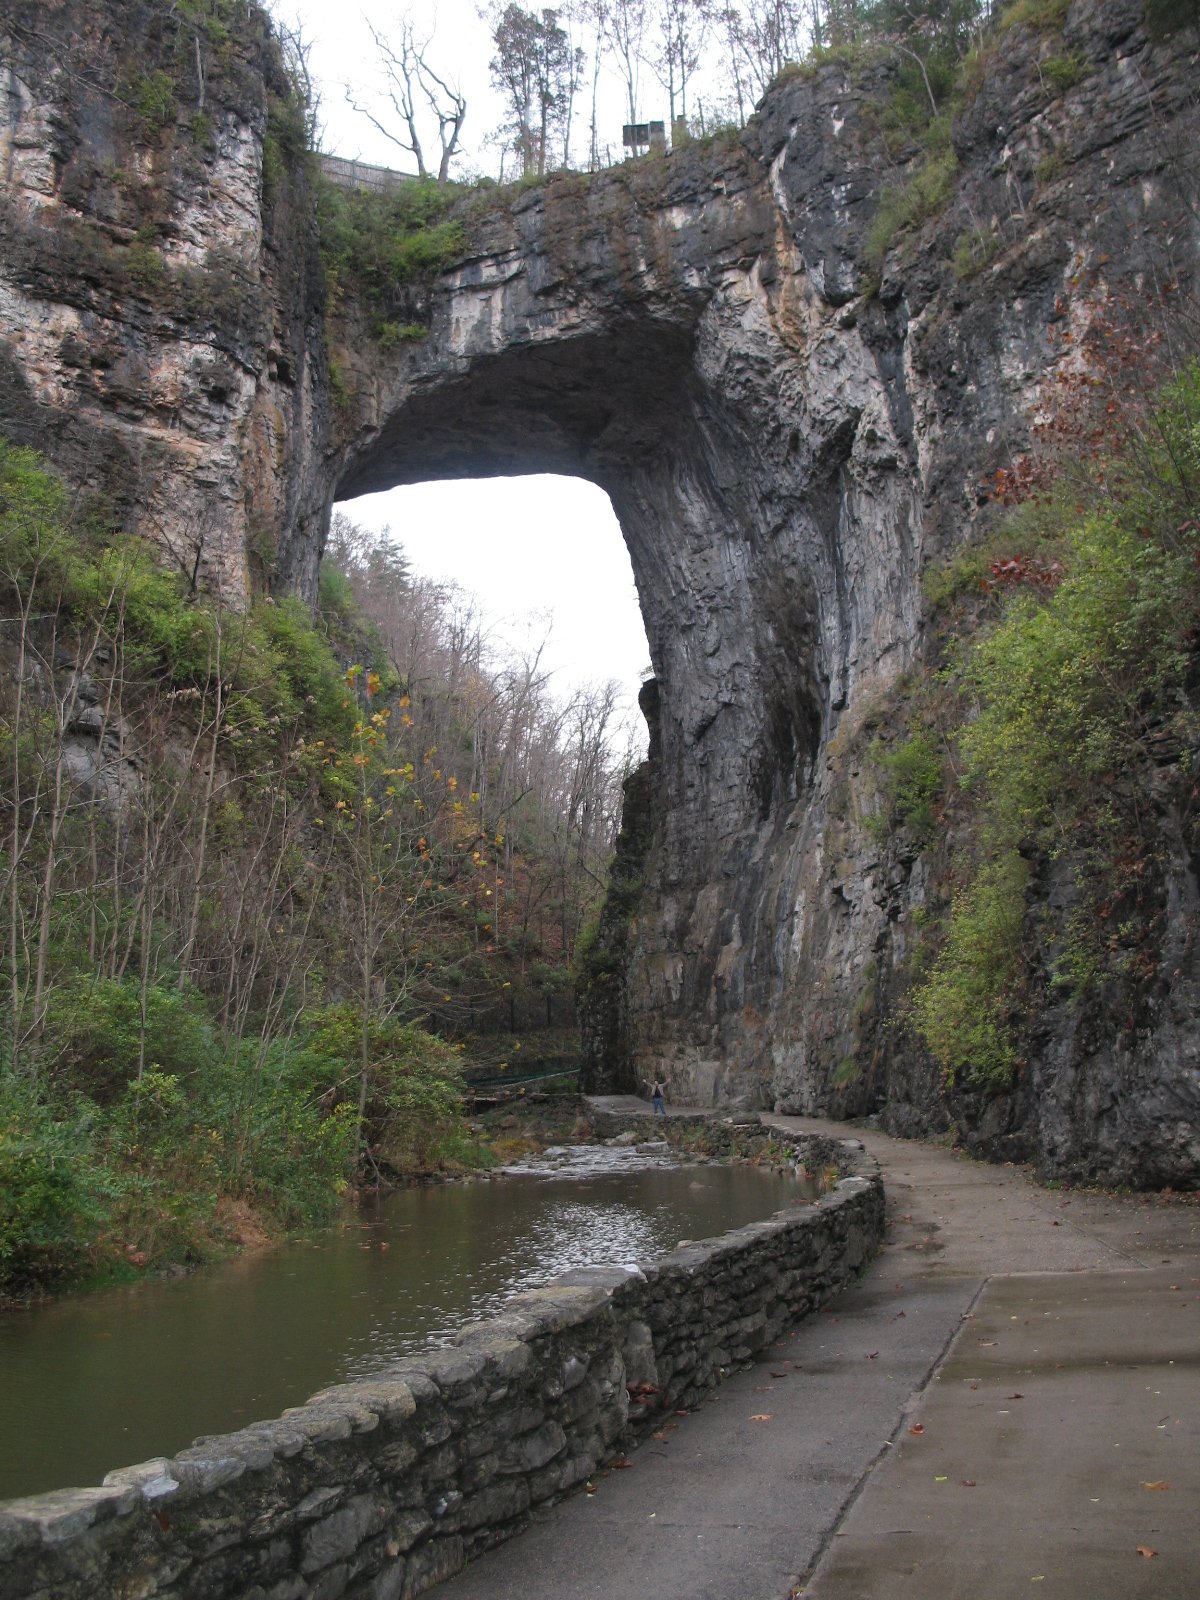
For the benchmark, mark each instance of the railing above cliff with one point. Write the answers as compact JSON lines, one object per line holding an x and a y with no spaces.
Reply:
{"x":361,"y":175}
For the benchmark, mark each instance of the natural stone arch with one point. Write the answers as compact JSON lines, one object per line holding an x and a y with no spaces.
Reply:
{"x":671,"y":347}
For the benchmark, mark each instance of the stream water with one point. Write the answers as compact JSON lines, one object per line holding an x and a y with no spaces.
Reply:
{"x":111,"y":1378}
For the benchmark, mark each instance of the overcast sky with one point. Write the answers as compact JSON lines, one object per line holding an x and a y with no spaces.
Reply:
{"x":545,"y":558}
{"x":543,"y":555}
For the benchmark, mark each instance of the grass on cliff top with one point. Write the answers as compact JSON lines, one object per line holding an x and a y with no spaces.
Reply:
{"x":379,"y":246}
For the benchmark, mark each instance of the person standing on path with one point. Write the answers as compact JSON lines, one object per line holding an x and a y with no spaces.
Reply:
{"x":656,"y":1099}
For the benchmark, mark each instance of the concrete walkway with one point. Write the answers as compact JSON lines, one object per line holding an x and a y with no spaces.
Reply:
{"x":1007,"y":1404}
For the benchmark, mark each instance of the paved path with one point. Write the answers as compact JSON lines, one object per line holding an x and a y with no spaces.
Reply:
{"x":1007,"y":1404}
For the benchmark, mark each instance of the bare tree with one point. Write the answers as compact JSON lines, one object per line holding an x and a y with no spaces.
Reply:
{"x":683,"y":29}
{"x":420,"y":96}
{"x":597,"y":15}
{"x":764,"y":35}
{"x":296,"y":52}
{"x":628,"y":24}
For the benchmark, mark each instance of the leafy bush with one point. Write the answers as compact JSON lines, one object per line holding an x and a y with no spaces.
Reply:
{"x":383,"y":243}
{"x":909,"y":779}
{"x":1045,"y":16}
{"x":47,"y":1207}
{"x":1063,"y":72}
{"x":1068,"y":679}
{"x":153,"y":98}
{"x":96,"y":1034}
{"x":413,"y":1089}
{"x":960,"y":1007}
{"x":902,"y":209}
{"x":975,"y":249}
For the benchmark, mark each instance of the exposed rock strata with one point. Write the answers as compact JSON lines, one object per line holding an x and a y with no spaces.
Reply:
{"x":785,"y":451}
{"x":160,"y":307}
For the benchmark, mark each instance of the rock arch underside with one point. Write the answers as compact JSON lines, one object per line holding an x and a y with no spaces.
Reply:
{"x":787,"y":448}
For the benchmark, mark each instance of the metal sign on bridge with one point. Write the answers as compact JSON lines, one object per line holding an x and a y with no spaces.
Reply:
{"x":637,"y":136}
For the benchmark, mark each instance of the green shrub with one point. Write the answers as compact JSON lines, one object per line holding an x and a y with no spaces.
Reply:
{"x":1092,"y":655}
{"x":1062,"y":72}
{"x":1066,"y":680}
{"x":1044,"y":16}
{"x":383,"y":243}
{"x":394,"y":333}
{"x":1049,"y":168}
{"x":974,"y":250}
{"x":145,"y":265}
{"x":47,"y":1206}
{"x":152,"y":96}
{"x":95,"y":1035}
{"x":903,"y":209}
{"x":960,"y":1007}
{"x":909,"y":780}
{"x":414,"y":1087}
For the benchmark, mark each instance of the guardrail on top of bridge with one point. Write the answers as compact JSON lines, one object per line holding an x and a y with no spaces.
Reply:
{"x":349,"y":174}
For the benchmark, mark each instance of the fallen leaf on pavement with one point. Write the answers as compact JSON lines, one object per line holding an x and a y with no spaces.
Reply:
{"x":917,"y":1427}
{"x":619,"y":1463}
{"x":1145,"y":1550}
{"x":1017,"y":1396}
{"x":968,"y":1483}
{"x":1157,"y":1484}
{"x":762,"y":1416}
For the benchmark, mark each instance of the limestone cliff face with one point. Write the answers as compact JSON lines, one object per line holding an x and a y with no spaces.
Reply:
{"x":160,"y":295}
{"x":786,"y":450}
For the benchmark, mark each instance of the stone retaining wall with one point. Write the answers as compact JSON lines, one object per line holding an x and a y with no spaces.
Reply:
{"x":380,"y":1488}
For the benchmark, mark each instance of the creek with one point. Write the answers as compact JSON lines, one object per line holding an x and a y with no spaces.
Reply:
{"x":93,"y":1382}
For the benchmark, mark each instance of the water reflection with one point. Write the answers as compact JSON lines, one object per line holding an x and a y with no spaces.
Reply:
{"x":112,"y":1378}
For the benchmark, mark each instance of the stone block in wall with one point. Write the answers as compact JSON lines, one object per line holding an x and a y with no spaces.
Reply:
{"x":338,"y":1535}
{"x":534,"y":1450}
{"x":433,"y":1563}
{"x":637,"y":1349}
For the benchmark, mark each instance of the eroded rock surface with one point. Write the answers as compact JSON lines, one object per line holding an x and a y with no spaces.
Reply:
{"x":160,"y":299}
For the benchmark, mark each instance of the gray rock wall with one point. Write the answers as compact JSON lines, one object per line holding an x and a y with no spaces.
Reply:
{"x":381,"y":1488}
{"x":161,"y":298}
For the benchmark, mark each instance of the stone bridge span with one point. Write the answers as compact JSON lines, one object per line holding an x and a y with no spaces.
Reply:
{"x":670,"y":334}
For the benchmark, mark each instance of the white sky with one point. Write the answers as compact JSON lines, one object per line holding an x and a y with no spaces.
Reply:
{"x":545,"y":559}
{"x":461,"y":49}
{"x":502,"y":538}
